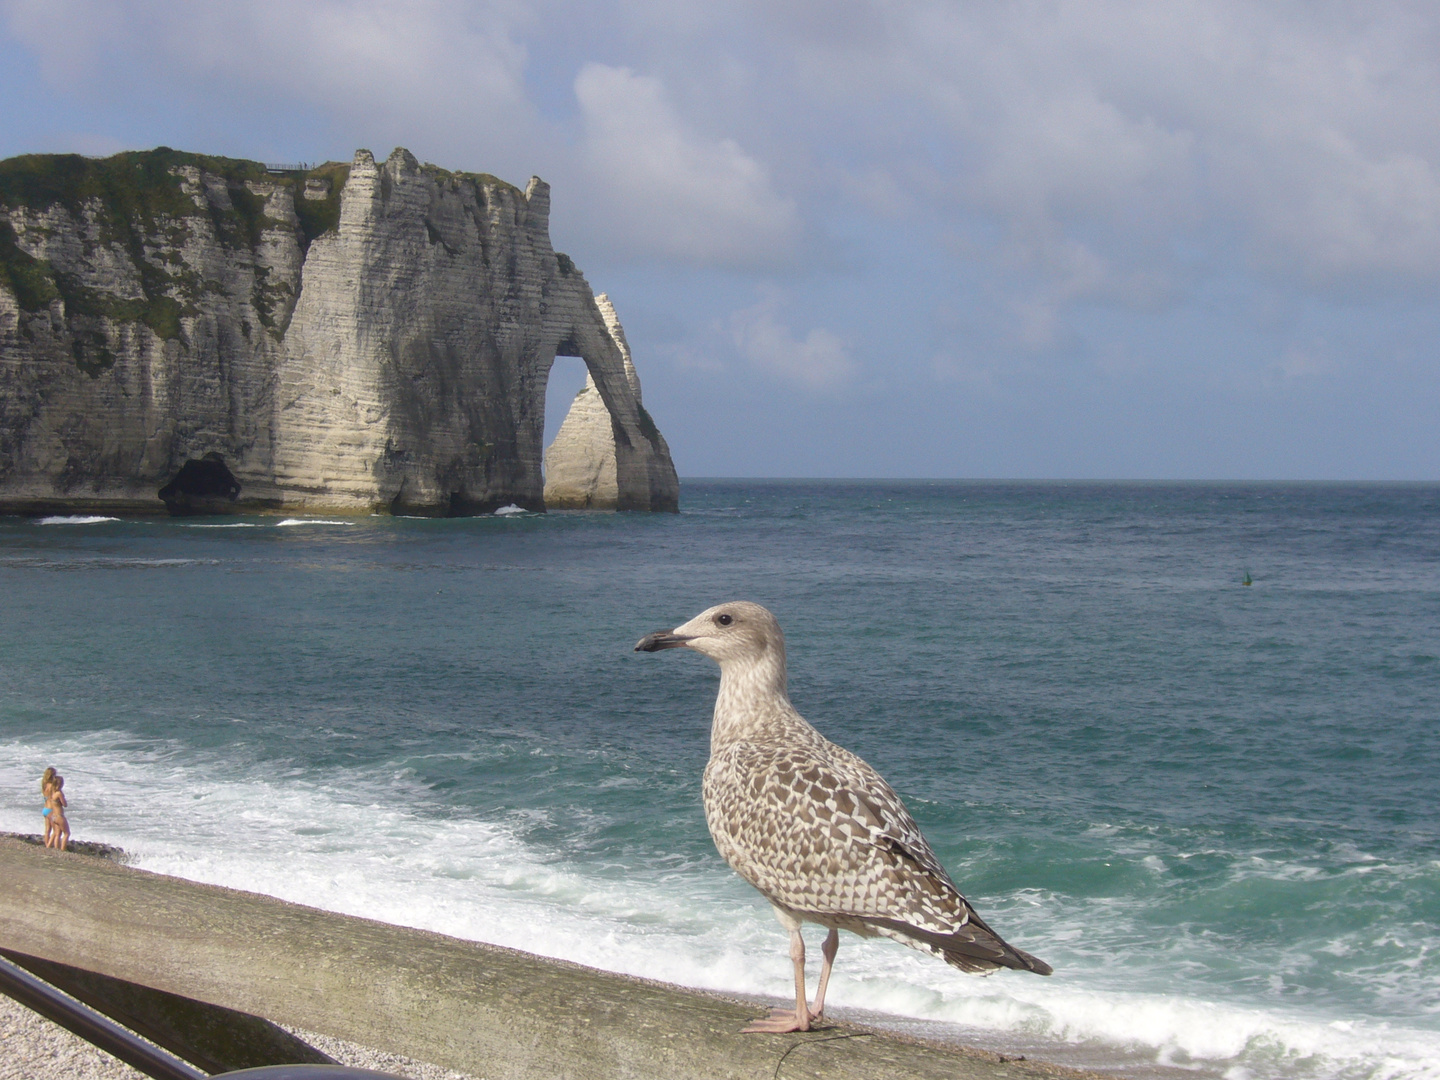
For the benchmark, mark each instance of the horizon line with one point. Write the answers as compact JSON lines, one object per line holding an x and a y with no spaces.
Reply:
{"x":1050,"y":480}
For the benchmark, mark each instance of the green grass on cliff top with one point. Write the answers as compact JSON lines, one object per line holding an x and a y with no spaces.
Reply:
{"x":138,"y":200}
{"x":134,"y":196}
{"x":135,"y":189}
{"x":479,"y":179}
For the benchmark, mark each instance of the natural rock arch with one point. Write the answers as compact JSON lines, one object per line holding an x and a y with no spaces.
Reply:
{"x":581,"y":465}
{"x":467,"y":307}
{"x":356,"y":338}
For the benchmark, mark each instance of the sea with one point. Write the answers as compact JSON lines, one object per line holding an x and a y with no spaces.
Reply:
{"x":1212,"y":806}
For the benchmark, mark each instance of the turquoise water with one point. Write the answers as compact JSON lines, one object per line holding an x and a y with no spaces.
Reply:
{"x":1213,"y":808}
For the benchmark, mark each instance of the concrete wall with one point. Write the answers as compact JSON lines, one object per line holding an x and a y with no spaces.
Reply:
{"x":492,"y":1012}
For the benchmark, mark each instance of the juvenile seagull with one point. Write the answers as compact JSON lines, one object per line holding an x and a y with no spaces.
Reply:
{"x":814,"y":828}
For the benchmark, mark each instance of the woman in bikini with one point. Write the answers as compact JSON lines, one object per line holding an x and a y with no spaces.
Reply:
{"x":47,"y":781}
{"x":60,"y":828}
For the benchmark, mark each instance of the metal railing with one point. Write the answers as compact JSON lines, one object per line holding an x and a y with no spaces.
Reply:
{"x":103,"y":1032}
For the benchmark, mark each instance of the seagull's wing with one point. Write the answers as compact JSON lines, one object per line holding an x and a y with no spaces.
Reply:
{"x":818,"y":830}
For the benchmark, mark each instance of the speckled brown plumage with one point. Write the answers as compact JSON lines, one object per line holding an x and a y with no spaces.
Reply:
{"x":812,"y":826}
{"x":820,"y":833}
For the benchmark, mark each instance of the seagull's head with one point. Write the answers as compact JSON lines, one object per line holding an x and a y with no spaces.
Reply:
{"x":735,"y":633}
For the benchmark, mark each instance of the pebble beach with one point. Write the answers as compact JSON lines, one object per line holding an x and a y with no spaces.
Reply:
{"x":33,"y":1048}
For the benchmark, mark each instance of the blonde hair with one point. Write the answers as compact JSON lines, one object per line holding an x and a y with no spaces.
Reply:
{"x":47,"y":778}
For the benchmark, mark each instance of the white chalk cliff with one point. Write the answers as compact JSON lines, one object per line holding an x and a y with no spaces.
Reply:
{"x":370,"y":337}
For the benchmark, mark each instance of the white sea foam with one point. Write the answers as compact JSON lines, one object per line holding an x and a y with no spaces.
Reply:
{"x":310,"y":521}
{"x":74,"y":519}
{"x":369,"y":843}
{"x":224,"y":525}
{"x":510,"y":511}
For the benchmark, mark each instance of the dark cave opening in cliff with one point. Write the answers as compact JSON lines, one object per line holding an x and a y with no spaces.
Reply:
{"x":567,"y":377}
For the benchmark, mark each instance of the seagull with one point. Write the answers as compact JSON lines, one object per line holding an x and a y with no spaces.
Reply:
{"x":818,"y":831}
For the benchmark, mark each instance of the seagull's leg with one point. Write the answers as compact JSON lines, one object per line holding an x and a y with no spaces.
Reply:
{"x":797,"y":956}
{"x":827,"y":950}
{"x":783,"y":1020}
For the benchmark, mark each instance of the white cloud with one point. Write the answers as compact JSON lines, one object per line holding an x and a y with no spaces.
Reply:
{"x":1160,"y":142}
{"x":336,"y":47}
{"x":665,"y":190}
{"x":438,"y":76}
{"x":818,"y":361}
{"x":1303,"y":134}
{"x":67,"y":36}
{"x":1306,"y":133}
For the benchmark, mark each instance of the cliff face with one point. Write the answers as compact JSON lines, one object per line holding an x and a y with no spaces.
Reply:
{"x":354,"y":338}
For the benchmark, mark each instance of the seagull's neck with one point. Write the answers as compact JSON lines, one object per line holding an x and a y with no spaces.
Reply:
{"x":753,"y":703}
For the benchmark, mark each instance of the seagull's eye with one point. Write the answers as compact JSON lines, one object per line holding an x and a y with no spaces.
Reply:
{"x":724,"y":619}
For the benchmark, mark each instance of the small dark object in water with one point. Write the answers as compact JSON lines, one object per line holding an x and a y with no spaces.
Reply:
{"x":205,"y":486}
{"x":1246,"y":579}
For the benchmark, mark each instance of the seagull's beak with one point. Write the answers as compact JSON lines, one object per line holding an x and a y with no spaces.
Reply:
{"x":661,"y":639}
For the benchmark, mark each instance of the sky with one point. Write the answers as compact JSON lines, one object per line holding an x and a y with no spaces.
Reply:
{"x":1148,"y":240}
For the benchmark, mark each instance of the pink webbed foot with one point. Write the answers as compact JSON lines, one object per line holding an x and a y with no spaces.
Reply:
{"x":780,"y":1022}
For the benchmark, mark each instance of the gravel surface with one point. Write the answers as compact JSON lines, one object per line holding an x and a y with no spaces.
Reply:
{"x":33,"y":1048}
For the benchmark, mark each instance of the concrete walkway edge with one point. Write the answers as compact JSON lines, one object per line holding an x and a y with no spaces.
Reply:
{"x":481,"y":1009}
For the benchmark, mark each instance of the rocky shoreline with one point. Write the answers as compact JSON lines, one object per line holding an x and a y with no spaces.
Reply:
{"x":78,"y":847}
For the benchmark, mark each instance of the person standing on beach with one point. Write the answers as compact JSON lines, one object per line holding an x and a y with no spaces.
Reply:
{"x":47,"y":782}
{"x":59,"y":835}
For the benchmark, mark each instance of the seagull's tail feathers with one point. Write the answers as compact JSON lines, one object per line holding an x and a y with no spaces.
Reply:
{"x":974,"y":947}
